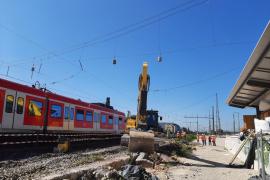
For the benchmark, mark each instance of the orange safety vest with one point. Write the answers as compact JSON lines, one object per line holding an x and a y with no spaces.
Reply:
{"x":203,"y":137}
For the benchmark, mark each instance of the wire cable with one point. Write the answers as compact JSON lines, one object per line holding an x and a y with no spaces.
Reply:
{"x":129,"y":28}
{"x":196,"y":82}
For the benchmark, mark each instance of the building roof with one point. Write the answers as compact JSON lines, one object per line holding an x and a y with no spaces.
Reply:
{"x":254,"y":81}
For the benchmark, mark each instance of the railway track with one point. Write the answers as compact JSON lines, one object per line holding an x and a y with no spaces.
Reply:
{"x":20,"y":145}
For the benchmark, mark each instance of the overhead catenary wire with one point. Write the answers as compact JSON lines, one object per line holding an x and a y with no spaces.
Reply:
{"x":130,"y":28}
{"x":33,"y":68}
{"x":158,"y":20}
{"x":86,"y":98}
{"x":193,"y":104}
{"x":65,"y":78}
{"x":166,"y":13}
{"x":157,"y":16}
{"x":153,"y":20}
{"x":211,"y":18}
{"x":72,"y":76}
{"x":27,"y":70}
{"x":33,"y":42}
{"x":196,"y":81}
{"x":31,"y":83}
{"x":168,"y":51}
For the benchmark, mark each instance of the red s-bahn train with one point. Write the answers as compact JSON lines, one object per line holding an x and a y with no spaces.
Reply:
{"x":29,"y":109}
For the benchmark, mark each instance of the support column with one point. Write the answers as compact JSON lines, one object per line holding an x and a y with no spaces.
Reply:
{"x":258,"y":113}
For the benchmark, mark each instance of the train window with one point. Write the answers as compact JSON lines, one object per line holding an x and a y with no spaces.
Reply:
{"x":79,"y":115}
{"x":35,"y":108}
{"x":89,"y":116}
{"x":96,"y":117}
{"x":9,"y":103}
{"x":20,"y":102}
{"x":71,"y":113}
{"x":110,"y":120}
{"x":103,"y":119}
{"x":67,"y":116}
{"x":120,"y":121}
{"x":56,"y":111}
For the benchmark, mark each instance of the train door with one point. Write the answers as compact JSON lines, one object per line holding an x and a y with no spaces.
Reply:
{"x":19,"y":104}
{"x":69,"y":117}
{"x":115,"y":124}
{"x":9,"y":109}
{"x":66,"y":117}
{"x":13,"y":112}
{"x":96,"y":121}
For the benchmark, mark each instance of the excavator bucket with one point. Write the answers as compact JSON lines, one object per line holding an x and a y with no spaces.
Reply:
{"x":140,"y":141}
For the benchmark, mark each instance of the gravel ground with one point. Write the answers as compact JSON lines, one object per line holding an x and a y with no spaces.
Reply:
{"x":209,"y":162}
{"x":53,"y":163}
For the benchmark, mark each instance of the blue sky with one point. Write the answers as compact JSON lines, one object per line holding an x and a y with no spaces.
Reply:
{"x":197,"y":44}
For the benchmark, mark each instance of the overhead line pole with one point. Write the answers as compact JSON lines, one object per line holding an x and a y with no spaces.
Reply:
{"x":189,"y":122}
{"x":209,"y":122}
{"x":218,"y":128}
{"x":213,"y":119}
{"x":197,"y":119}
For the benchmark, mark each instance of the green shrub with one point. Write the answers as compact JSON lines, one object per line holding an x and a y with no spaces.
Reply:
{"x":191,"y":137}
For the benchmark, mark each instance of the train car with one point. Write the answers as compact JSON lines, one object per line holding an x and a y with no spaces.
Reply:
{"x":174,"y":128}
{"x":31,"y":109}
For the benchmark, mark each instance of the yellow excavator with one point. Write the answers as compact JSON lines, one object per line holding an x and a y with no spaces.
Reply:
{"x":140,"y":139}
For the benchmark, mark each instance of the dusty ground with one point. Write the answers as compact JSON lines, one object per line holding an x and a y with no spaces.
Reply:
{"x":208,"y":163}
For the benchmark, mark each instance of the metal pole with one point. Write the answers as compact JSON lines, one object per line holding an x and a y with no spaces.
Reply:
{"x":261,"y":156}
{"x":197,"y":120}
{"x":216,"y":114}
{"x":258,"y":112}
{"x":209,"y":118}
{"x":213,"y":119}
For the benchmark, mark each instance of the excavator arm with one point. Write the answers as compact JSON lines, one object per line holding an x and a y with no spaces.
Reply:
{"x":143,"y":85}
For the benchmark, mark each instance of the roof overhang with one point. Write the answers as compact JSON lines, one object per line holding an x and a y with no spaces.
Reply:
{"x":254,"y":81}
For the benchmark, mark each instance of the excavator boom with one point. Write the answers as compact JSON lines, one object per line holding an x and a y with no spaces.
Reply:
{"x":139,"y":138}
{"x":144,"y":82}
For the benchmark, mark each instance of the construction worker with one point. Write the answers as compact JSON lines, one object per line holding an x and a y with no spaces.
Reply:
{"x":213,"y":139}
{"x":243,"y":133}
{"x":204,"y":139}
{"x":209,"y":140}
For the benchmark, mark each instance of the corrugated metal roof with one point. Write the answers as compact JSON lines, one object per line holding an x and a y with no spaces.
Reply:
{"x":254,"y":80}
